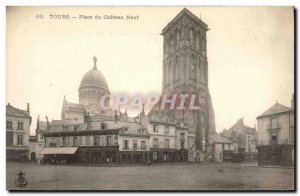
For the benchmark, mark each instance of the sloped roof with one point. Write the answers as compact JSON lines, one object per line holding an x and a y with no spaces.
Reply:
{"x":12,"y":111}
{"x":132,"y":127}
{"x":63,"y":122}
{"x":275,"y":109}
{"x":215,"y":138}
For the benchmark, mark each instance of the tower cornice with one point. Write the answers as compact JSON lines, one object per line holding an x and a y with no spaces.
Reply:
{"x":184,"y":12}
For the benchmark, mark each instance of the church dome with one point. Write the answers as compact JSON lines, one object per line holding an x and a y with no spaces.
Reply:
{"x":94,"y":79}
{"x":92,"y":87}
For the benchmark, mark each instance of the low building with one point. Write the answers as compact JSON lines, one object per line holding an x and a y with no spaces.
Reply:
{"x":246,"y":139}
{"x":276,"y":136}
{"x":37,"y":142}
{"x":220,"y":149}
{"x":17,"y":133}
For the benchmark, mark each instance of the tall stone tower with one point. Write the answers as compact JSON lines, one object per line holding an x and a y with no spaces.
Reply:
{"x":185,"y":71}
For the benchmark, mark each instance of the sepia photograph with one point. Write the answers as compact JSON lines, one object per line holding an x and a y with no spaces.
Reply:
{"x":150,"y":98}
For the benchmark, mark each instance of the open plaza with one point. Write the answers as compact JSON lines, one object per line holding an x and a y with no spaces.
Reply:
{"x":200,"y":176}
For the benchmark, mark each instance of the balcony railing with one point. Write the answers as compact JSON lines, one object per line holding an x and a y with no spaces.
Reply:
{"x":271,"y":127}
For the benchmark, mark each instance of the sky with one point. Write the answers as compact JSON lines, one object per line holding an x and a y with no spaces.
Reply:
{"x":250,"y":53}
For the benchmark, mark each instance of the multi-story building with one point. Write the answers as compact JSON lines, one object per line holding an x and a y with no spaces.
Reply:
{"x":97,"y":141}
{"x":168,"y":140}
{"x":17,"y":133}
{"x":133,"y":142}
{"x":246,"y":139}
{"x":185,"y":70}
{"x":276,"y":135}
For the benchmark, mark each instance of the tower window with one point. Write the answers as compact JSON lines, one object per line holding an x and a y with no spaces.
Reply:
{"x":193,"y":66}
{"x":191,"y":35}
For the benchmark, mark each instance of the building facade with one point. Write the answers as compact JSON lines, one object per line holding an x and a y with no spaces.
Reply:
{"x":276,"y":136}
{"x":37,"y":142}
{"x":87,"y":135}
{"x":17,"y":133}
{"x":168,"y":139}
{"x":160,"y":136}
{"x":245,"y":138}
{"x":220,"y":149}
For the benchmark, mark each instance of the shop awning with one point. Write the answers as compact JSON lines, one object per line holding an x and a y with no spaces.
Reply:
{"x":59,"y":150}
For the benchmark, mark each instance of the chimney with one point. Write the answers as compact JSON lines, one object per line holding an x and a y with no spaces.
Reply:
{"x":28,"y":108}
{"x":125,"y":114}
{"x":37,"y":123}
{"x":143,"y":112}
{"x":47,"y":122}
{"x":116,"y":116}
{"x":292,"y":103}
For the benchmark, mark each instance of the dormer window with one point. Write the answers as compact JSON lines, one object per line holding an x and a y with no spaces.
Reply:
{"x":75,"y":127}
{"x":141,"y":131}
{"x":103,"y":126}
{"x":125,"y":129}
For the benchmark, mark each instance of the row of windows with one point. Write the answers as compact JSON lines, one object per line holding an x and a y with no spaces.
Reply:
{"x":166,"y":130}
{"x":167,"y":142}
{"x":196,"y":40}
{"x":77,"y":141}
{"x":77,"y":127}
{"x":9,"y":125}
{"x":175,"y":72}
{"x":10,"y":138}
{"x":134,"y":145}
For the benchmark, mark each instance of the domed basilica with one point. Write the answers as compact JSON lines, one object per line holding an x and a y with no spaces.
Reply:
{"x":92,"y":87}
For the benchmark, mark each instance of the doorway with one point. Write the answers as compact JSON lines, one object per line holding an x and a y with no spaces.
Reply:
{"x":33,"y":156}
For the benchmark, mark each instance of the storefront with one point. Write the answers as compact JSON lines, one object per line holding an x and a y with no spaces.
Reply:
{"x":59,"y":155}
{"x":134,"y":157}
{"x":81,"y":155}
{"x":162,"y":155}
{"x":98,"y":154}
{"x":17,"y":154}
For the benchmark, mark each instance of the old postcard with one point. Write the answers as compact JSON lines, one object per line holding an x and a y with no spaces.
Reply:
{"x":150,"y":98}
